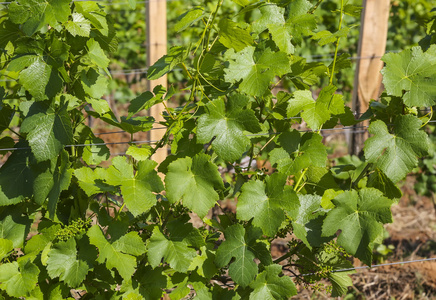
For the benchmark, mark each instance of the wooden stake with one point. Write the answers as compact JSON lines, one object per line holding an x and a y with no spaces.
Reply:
{"x":368,"y":79}
{"x":157,"y":47}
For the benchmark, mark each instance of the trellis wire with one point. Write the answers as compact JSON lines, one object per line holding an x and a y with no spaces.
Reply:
{"x":110,"y":3}
{"x":373,"y":266}
{"x":151,"y":142}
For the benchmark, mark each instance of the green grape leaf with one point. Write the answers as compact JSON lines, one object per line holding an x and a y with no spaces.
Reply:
{"x":271,"y":14}
{"x":95,"y":14}
{"x":342,"y":62}
{"x":360,"y":217}
{"x":51,"y":183}
{"x":6,"y":246}
{"x":242,"y":2}
{"x":137,"y":189}
{"x":307,"y":220}
{"x":39,"y":242}
{"x":139,"y":153}
{"x":6,"y":114}
{"x":316,"y":113}
{"x":62,"y":262}
{"x":194,"y":180}
{"x":90,"y":180}
{"x":93,"y":83}
{"x":14,"y":226}
{"x":35,"y":78}
{"x":226,"y":125}
{"x":173,"y":250}
{"x":325,"y":37}
{"x":18,"y":166}
{"x":270,"y":285}
{"x":255,"y":71}
{"x":411,"y":71}
{"x":298,"y":152}
{"x":188,"y":18}
{"x":166,"y":63}
{"x":396,"y":153}
{"x":119,"y":254}
{"x":48,"y":130}
{"x":95,"y":152}
{"x":147,"y":283}
{"x":274,"y":20}
{"x":97,"y":55}
{"x":301,"y":26}
{"x":35,"y":14}
{"x":340,"y":282}
{"x":18,"y":279}
{"x":241,"y":245}
{"x":78,"y":26}
{"x":147,"y":99}
{"x":380,"y":181}
{"x":232,"y":36}
{"x":204,"y":263}
{"x":352,"y":10}
{"x":266,"y":202}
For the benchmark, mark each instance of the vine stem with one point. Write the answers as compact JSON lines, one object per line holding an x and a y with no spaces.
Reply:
{"x":220,"y":2}
{"x":431,"y":116}
{"x":19,"y":135}
{"x":337,"y":44}
{"x":312,"y":10}
{"x":282,"y":258}
{"x":299,"y":180}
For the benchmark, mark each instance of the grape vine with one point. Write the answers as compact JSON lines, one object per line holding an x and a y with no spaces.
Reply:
{"x":74,"y":220}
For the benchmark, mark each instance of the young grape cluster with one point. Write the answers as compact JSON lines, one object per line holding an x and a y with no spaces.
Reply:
{"x":77,"y":227}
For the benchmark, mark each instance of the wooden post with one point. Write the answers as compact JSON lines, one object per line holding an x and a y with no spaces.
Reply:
{"x":156,"y":48}
{"x":368,"y":79}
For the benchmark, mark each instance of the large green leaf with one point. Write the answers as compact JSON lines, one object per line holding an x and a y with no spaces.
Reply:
{"x":14,"y":226}
{"x":266,"y":202}
{"x":6,"y":114}
{"x":225,"y":124}
{"x":173,"y":250}
{"x":166,"y":63}
{"x":194,"y":181}
{"x":316,"y":113}
{"x":307,"y":218}
{"x":50,"y":184}
{"x":256,"y":71}
{"x":18,"y":279}
{"x":93,"y":83}
{"x":48,"y":130}
{"x":298,"y":152}
{"x":273,"y":19}
{"x":62,"y":262}
{"x":16,"y":176}
{"x":232,"y":36}
{"x":325,"y":37}
{"x":147,"y":283}
{"x":6,"y":246}
{"x":137,"y":189}
{"x":270,"y":285}
{"x":241,"y":245}
{"x":34,"y":14}
{"x":90,"y":180}
{"x":396,"y":153}
{"x":35,"y":78}
{"x":414,"y":72}
{"x":96,"y":54}
{"x":96,"y":152}
{"x":360,"y":217}
{"x":120,"y":254}
{"x":188,"y":18}
{"x":78,"y":25}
